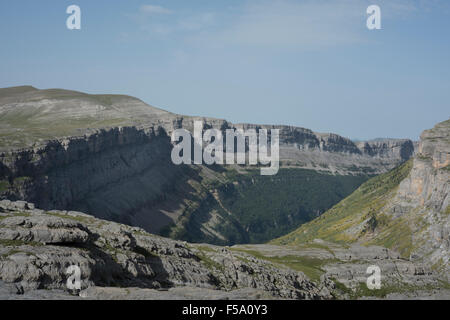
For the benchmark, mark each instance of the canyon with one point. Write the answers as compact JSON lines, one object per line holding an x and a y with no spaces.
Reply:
{"x":109,"y":156}
{"x":88,"y":180}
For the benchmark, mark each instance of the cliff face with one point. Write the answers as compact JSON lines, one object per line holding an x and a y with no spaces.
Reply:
{"x":434,"y":144}
{"x":109,"y":155}
{"x":113,"y":174}
{"x":33,"y":118}
{"x":406,"y":209}
{"x":425,"y":196}
{"x":388,"y":148}
{"x":330,"y":152}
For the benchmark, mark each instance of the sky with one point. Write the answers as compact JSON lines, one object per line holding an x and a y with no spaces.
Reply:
{"x":308,"y":63}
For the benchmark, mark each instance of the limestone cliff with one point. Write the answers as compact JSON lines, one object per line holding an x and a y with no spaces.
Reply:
{"x":406,"y":209}
{"x":109,"y":155}
{"x":424,"y":196}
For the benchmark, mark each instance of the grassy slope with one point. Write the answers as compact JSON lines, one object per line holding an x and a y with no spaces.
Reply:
{"x":365,"y":203}
{"x":28,"y":115}
{"x":310,"y":266}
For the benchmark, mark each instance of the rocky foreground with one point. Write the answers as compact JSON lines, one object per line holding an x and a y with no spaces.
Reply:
{"x":122,"y":262}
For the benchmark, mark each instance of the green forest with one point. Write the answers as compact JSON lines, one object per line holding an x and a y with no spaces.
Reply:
{"x":252,"y":208}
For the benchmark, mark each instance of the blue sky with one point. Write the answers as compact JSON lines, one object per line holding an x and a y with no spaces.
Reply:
{"x":307,"y":63}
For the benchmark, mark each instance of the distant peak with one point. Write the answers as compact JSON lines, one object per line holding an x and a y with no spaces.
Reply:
{"x":16,"y":90}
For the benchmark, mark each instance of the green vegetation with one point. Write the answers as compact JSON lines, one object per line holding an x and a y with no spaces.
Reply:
{"x":341,"y":288}
{"x":444,"y":284}
{"x":270,"y":206}
{"x":16,"y":243}
{"x":19,"y":181}
{"x":6,"y":92}
{"x":10,"y":253}
{"x":250,"y":208}
{"x":205,"y":248}
{"x":75,"y":218}
{"x":143,"y":233}
{"x":208,"y":262}
{"x":439,"y":265}
{"x":396,"y":235}
{"x":362,"y":291}
{"x":311,"y":267}
{"x":311,"y":245}
{"x":15,"y":214}
{"x":4,"y":185}
{"x":14,"y":251}
{"x":365,"y":203}
{"x":22,"y":127}
{"x":447,"y":210}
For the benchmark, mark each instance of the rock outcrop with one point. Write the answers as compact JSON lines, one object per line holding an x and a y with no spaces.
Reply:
{"x":424,"y":196}
{"x":406,"y":209}
{"x":37,"y":247}
{"x":388,"y":148}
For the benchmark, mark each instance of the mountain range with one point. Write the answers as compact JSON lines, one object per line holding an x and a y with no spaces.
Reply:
{"x":109,"y":155}
{"x":88,"y":179}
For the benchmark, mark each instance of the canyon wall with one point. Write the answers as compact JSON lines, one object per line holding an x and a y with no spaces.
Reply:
{"x":109,"y":155}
